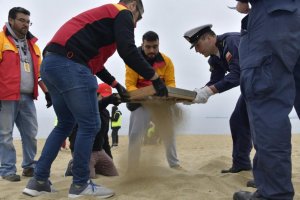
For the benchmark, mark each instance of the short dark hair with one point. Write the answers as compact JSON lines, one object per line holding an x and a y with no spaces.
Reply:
{"x":150,"y":36}
{"x":139,"y":3}
{"x":15,"y":10}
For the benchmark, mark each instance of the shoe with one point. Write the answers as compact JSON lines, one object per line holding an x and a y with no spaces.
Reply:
{"x":69,"y":168}
{"x":36,"y":188}
{"x":90,"y":189}
{"x":251,"y":183}
{"x":243,"y":195}
{"x":235,"y":170}
{"x":178,"y":167}
{"x":28,"y":172}
{"x":12,"y":177}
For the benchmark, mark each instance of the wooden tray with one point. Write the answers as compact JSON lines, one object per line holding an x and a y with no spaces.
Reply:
{"x":147,"y":94}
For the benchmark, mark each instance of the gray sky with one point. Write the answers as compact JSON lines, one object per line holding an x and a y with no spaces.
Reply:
{"x":170,"y":20}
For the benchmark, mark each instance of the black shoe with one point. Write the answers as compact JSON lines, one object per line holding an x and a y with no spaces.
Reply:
{"x":251,"y":183}
{"x":28,"y":172}
{"x":243,"y":195}
{"x":69,"y":168}
{"x":235,"y":170}
{"x":12,"y":177}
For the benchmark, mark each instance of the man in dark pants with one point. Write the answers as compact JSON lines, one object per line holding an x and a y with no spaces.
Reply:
{"x":223,"y":57}
{"x":270,"y":67}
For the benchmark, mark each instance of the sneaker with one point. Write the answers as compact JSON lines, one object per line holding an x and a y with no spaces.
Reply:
{"x":69,"y":168}
{"x":28,"y":172}
{"x":90,"y":189}
{"x":178,"y":167}
{"x":36,"y":188}
{"x":12,"y":177}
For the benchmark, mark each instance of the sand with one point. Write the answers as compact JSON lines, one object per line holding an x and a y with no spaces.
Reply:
{"x":202,"y":156}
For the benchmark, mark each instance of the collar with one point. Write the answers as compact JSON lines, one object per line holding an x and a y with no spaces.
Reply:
{"x":9,"y":32}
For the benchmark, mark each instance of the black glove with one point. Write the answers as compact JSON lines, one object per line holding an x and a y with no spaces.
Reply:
{"x":0,"y":105}
{"x":114,"y":99}
{"x":122,"y":92}
{"x":160,"y":87}
{"x":48,"y":99}
{"x":133,"y":106}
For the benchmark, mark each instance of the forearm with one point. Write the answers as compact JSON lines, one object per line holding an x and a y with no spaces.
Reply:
{"x":105,"y":76}
{"x":43,"y":86}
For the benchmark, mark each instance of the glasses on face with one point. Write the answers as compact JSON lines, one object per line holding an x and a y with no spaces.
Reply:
{"x":24,"y":21}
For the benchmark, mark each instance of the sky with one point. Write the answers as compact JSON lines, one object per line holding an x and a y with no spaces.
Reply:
{"x":170,"y":20}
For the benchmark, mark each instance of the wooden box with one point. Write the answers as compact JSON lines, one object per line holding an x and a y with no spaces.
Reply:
{"x":147,"y":94}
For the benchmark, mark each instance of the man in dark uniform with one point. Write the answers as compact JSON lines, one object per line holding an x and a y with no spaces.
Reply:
{"x":270,"y":67}
{"x":223,"y":57}
{"x":76,"y":53}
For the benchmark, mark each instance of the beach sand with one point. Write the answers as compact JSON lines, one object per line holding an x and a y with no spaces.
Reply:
{"x":202,"y":156}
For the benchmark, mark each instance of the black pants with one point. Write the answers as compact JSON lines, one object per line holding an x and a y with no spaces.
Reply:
{"x":114,"y":135}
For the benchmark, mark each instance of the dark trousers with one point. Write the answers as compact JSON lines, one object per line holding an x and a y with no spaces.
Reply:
{"x":241,"y":136}
{"x":270,"y":66}
{"x":114,"y":135}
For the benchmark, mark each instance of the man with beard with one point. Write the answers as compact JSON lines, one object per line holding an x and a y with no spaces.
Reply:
{"x":19,"y":79}
{"x":140,"y":115}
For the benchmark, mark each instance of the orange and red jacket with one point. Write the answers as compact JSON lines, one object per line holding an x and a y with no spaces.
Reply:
{"x":162,"y":65}
{"x":10,"y":72}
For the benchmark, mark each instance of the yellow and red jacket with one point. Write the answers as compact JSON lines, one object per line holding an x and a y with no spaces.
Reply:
{"x":162,"y":65}
{"x":10,"y":72}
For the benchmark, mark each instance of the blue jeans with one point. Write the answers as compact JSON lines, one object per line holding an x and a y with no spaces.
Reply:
{"x":73,"y":88}
{"x":23,"y":113}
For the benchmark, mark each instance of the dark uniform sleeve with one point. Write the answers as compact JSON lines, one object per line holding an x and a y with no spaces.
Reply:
{"x":231,"y":56}
{"x":124,"y":37}
{"x":217,"y":71}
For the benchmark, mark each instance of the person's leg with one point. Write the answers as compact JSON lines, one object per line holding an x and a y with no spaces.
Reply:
{"x":73,"y":91}
{"x":241,"y":137}
{"x":139,"y":120}
{"x":26,"y":122}
{"x":114,"y":136}
{"x":297,"y":84}
{"x":105,"y":165}
{"x":7,"y":150}
{"x":170,"y":147}
{"x":268,"y":86}
{"x":57,"y":136}
{"x":117,"y":135}
{"x":165,"y":129}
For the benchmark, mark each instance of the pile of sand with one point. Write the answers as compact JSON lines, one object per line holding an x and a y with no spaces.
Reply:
{"x":202,"y":157}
